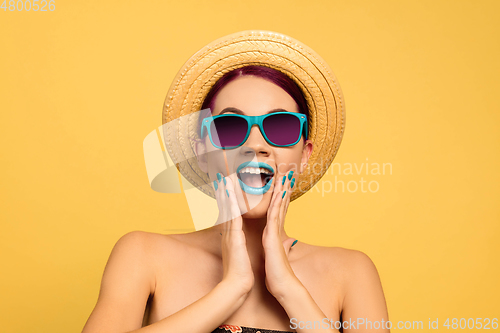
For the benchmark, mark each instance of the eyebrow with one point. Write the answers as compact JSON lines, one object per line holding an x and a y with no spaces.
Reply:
{"x":238,"y":111}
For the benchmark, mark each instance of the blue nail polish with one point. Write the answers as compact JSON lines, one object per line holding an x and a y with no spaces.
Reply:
{"x":227,"y":193}
{"x":219,"y":177}
{"x":290,"y":174}
{"x":292,"y":183}
{"x":224,"y":180}
{"x":284,"y":178}
{"x":283,"y":195}
{"x":215,"y":185}
{"x":294,"y":242}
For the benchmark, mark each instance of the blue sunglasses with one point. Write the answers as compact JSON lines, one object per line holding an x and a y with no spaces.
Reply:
{"x":281,"y":129}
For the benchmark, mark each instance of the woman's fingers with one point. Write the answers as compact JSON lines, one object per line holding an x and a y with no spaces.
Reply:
{"x":217,"y":199}
{"x":273,"y":212}
{"x":289,"y":193}
{"x":233,"y":208}
{"x":220,"y":196}
{"x":285,"y":198}
{"x":229,"y":212}
{"x":281,"y":198}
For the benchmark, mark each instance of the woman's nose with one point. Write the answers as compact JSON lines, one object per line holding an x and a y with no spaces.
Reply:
{"x":255,"y":144}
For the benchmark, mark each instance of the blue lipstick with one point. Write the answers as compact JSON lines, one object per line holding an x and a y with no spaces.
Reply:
{"x":255,"y":190}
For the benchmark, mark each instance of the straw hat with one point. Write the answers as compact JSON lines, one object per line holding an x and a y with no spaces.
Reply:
{"x":264,"y":48}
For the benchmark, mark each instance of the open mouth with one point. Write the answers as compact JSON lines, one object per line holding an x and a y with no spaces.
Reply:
{"x":255,"y":177}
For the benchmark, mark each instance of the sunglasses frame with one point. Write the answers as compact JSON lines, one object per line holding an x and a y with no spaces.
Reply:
{"x":254,"y":120}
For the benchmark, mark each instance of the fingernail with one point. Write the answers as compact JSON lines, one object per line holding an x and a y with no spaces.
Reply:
{"x":283,"y":195}
{"x":224,"y":180}
{"x":284,"y":178}
{"x":215,"y":185}
{"x":227,"y":193}
{"x":292,"y":183}
{"x":219,"y":177}
{"x":294,"y":242}
{"x":290,"y":174}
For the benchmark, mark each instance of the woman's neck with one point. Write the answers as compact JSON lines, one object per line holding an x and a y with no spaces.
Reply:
{"x":254,"y":229}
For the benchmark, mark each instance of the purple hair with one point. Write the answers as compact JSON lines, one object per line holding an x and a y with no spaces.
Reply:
{"x":272,"y":75}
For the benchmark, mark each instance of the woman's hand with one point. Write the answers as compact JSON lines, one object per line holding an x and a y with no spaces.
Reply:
{"x":280,"y":277}
{"x":235,"y":259}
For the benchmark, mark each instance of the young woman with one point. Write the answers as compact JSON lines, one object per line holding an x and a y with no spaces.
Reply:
{"x":245,"y":274}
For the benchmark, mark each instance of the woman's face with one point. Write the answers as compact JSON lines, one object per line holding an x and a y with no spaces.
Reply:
{"x":254,"y":96}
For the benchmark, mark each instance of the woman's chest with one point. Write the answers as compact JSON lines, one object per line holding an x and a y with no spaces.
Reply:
{"x":182,"y":282}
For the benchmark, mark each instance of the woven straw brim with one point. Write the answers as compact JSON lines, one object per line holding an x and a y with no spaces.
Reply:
{"x":287,"y":55}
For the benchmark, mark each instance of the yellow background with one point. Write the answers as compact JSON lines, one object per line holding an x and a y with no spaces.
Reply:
{"x":81,"y":87}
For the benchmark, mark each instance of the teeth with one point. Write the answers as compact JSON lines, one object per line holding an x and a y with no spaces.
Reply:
{"x":255,"y":171}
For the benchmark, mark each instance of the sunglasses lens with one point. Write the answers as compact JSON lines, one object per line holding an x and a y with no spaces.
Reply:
{"x":282,"y":129}
{"x":228,"y":131}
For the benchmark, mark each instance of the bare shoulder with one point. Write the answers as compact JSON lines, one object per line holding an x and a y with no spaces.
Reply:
{"x":148,"y":247}
{"x":356,"y":274}
{"x":186,"y":241}
{"x":168,"y":250}
{"x":141,"y":243}
{"x":352,"y":262}
{"x":355,"y":266}
{"x":151,"y":240}
{"x":155,"y":245}
{"x":134,"y":245}
{"x":128,"y":280}
{"x":347,"y":268}
{"x":342,"y":260}
{"x":135,"y":248}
